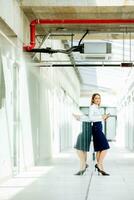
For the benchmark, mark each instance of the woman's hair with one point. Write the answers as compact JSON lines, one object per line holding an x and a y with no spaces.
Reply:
{"x":93,"y":96}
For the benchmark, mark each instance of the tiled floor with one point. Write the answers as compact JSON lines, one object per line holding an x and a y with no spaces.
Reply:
{"x":56,"y":180}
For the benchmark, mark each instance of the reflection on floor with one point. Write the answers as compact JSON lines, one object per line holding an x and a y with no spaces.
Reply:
{"x":56,"y":180}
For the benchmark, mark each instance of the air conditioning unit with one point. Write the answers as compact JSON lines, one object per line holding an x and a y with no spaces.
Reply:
{"x":97,"y":48}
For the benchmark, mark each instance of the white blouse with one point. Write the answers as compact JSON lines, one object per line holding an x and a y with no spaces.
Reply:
{"x":94,"y":114}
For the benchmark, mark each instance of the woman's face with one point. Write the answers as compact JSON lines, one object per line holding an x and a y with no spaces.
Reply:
{"x":97,"y":100}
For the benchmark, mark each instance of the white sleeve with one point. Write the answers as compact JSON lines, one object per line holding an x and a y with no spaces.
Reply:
{"x":94,"y":115}
{"x":84,"y":118}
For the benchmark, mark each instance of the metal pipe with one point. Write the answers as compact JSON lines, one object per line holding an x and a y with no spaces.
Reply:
{"x":83,"y":65}
{"x":69,"y":21}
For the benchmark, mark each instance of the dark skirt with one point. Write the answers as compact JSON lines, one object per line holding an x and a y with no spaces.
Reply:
{"x":84,"y":138}
{"x":99,"y":140}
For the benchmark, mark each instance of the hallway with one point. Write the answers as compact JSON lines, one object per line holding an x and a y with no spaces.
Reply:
{"x":64,"y":63}
{"x":56,"y":180}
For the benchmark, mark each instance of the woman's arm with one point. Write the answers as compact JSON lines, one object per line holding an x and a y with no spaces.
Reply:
{"x":84,"y":118}
{"x":81,"y":118}
{"x":77,"y":117}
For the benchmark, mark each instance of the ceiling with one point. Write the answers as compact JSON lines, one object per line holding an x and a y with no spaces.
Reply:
{"x":107,"y":80}
{"x":77,"y":3}
{"x":55,"y":11}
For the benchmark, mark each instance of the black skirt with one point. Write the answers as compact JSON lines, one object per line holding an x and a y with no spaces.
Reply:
{"x":84,"y":138}
{"x":99,"y":140}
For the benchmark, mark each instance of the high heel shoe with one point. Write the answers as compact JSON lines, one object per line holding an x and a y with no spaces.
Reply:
{"x":87,"y":165}
{"x":96,"y":167}
{"x":104,"y":173}
{"x":101,"y":171}
{"x":81,"y":172}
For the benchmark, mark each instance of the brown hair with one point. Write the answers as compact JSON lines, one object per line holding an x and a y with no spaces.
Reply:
{"x":93,"y":96}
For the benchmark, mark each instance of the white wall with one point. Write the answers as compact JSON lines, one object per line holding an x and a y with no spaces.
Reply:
{"x":15,"y":117}
{"x":58,"y":100}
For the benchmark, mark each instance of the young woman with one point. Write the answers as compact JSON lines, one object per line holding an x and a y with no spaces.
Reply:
{"x":99,"y":140}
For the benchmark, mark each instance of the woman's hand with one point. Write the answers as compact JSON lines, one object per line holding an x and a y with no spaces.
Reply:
{"x":105,"y":117}
{"x":77,"y":117}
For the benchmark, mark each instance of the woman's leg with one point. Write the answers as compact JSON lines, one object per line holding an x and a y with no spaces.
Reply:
{"x":82,"y":157}
{"x":98,"y":156}
{"x":101,"y":158}
{"x":85,"y":154}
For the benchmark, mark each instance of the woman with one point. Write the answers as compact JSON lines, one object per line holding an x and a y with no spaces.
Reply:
{"x":100,"y":142}
{"x":83,"y":144}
